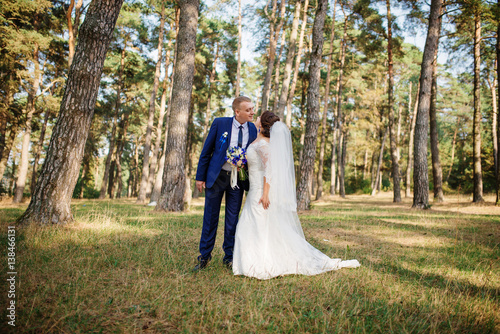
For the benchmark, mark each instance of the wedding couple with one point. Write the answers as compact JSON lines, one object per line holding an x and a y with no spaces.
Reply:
{"x":267,"y":240}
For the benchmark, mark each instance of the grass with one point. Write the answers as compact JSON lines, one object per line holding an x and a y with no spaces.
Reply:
{"x":122,"y":268}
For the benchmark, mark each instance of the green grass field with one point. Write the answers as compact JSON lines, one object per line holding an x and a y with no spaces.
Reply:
{"x":122,"y":268}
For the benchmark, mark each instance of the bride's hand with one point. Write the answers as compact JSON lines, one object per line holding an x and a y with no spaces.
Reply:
{"x":265,"y":201}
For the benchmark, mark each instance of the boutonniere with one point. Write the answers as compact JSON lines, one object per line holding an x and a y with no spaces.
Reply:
{"x":223,"y":139}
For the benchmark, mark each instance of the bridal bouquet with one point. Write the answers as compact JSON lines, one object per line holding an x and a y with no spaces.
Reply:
{"x":237,"y":158}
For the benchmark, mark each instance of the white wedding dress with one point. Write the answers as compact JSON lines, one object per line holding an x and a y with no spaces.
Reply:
{"x":270,"y":243}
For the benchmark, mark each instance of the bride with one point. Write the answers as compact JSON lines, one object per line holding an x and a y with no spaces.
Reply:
{"x":269,"y":241}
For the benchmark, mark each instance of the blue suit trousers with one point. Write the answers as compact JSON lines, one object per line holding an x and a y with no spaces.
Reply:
{"x":213,"y":200}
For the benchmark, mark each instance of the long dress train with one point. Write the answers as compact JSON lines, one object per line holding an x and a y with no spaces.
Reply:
{"x":271,"y":242}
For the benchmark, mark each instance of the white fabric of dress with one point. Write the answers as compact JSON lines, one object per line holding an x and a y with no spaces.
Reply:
{"x":271,"y":243}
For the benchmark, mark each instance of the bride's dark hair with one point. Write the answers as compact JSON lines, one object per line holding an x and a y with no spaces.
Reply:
{"x":267,"y":119}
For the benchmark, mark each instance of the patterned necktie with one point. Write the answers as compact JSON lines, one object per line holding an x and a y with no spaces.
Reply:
{"x":240,"y":136}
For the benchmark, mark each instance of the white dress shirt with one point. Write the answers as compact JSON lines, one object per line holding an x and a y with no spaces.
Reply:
{"x":235,"y":129}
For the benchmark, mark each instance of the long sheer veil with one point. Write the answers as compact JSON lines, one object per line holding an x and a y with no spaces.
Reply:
{"x":280,"y":174}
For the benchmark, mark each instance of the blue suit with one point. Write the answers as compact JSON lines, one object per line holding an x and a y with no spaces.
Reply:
{"x":209,"y":170}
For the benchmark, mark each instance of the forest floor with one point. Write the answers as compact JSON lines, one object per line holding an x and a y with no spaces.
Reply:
{"x":123,"y":268}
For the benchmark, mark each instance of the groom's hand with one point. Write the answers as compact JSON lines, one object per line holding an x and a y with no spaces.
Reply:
{"x":200,"y":185}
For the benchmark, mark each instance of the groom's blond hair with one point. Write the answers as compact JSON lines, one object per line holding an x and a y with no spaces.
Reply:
{"x":237,"y":101}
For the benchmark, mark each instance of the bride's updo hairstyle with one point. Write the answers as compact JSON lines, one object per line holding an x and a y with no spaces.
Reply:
{"x":267,"y":119}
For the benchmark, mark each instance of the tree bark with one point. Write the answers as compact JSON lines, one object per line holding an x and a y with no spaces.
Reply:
{"x":379,"y":166}
{"x":23,"y":165}
{"x":476,"y":130}
{"x":174,"y":177}
{"x":333,"y":171}
{"x":398,"y":133}
{"x":392,"y":134}
{"x":271,"y":57}
{"x":119,"y":153}
{"x":319,"y":191}
{"x":411,"y":140}
{"x":159,"y":175}
{"x":421,"y":172}
{"x":51,"y":200}
{"x":112,"y":138}
{"x":289,"y":62}
{"x":8,"y":147}
{"x":339,"y":119}
{"x":437,"y":172}
{"x":313,"y":106}
{"x":365,"y":164}
{"x":147,"y":143}
{"x":37,"y":151}
{"x":73,"y":28}
{"x":159,"y":127}
{"x":211,"y":81}
{"x":453,"y":144}
{"x":494,"y":120}
{"x":291,"y":93}
{"x":498,"y":96}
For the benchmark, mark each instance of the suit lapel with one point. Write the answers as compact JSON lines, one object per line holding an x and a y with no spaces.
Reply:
{"x":229,"y":130}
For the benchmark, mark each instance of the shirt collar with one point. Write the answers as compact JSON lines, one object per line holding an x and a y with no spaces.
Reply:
{"x":237,"y":124}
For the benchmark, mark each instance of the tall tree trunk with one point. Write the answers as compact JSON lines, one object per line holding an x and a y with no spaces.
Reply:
{"x":313,"y":106}
{"x":84,"y":174}
{"x":38,"y":150}
{"x":136,"y":167}
{"x":211,"y":81}
{"x":4,"y":119}
{"x":159,"y":127}
{"x":174,"y":177}
{"x":392,"y":134}
{"x":498,"y":96}
{"x":453,"y":144}
{"x":238,"y":67}
{"x":293,"y":85}
{"x":421,"y":172}
{"x":379,"y":166}
{"x":23,"y":165}
{"x":365,"y":164}
{"x":339,"y":119}
{"x":277,"y":66}
{"x":476,"y":130}
{"x":437,"y":172}
{"x":112,"y":138}
{"x":398,"y":133}
{"x":342,"y":162}
{"x":271,"y":56}
{"x":334,"y":185}
{"x":73,"y":27}
{"x":188,"y":193}
{"x":159,"y":175}
{"x":411,"y":140}
{"x":119,"y":153}
{"x":50,"y":203}
{"x":301,"y":120}
{"x":289,"y":62}
{"x":494,"y":119}
{"x":147,"y":143}
{"x":319,"y":191}
{"x":8,"y":147}
{"x":333,"y":171}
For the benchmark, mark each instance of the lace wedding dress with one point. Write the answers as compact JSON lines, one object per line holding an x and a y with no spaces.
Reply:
{"x":270,"y":243}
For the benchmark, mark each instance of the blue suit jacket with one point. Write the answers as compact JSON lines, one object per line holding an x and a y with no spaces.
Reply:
{"x":213,"y":154}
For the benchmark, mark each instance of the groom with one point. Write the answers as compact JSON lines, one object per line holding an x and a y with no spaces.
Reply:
{"x":214,"y":175}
